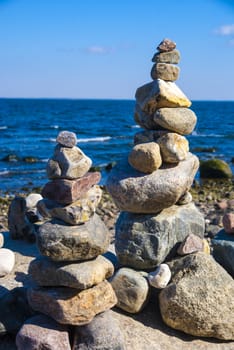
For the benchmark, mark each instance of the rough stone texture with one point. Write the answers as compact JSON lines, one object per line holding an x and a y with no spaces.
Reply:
{"x":145,"y":241}
{"x":160,"y":277}
{"x":68,"y":163}
{"x":62,"y":242}
{"x":228,"y":223}
{"x":167,"y":57}
{"x":41,"y":332}
{"x":1,"y":240}
{"x":69,"y":306}
{"x":80,"y":275}
{"x":145,"y":157}
{"x":180,"y":120}
{"x":18,"y":224}
{"x":223,"y":251}
{"x":145,"y":120}
{"x":131,"y":289}
{"x":185,"y":199}
{"x":165,"y":71}
{"x":148,"y":136}
{"x":200,"y":299}
{"x":159,"y":94}
{"x":7,"y":261}
{"x":136,"y":192}
{"x":215,"y":168}
{"x":68,"y":191}
{"x":191,"y":244}
{"x":102,"y":333}
{"x":174,"y":147}
{"x":77,"y":212}
{"x":67,"y":139}
{"x":166,"y":45}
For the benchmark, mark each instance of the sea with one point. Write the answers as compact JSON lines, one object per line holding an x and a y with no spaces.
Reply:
{"x":105,"y":130}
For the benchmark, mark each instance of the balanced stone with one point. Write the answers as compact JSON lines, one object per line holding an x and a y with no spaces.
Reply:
{"x":160,"y":277}
{"x":167,"y":57}
{"x":68,"y":191}
{"x":80,"y":275}
{"x":67,"y":139}
{"x":148,"y":136}
{"x":77,"y":212}
{"x":7,"y":261}
{"x":68,"y":163}
{"x":180,"y":120}
{"x":145,"y":157}
{"x":200,"y":299}
{"x":223,"y":250}
{"x":145,"y":241}
{"x":70,"y":306}
{"x":174,"y":147}
{"x":159,"y":94}
{"x":166,"y":45}
{"x":145,"y":120}
{"x":62,"y":242}
{"x":32,"y":199}
{"x":165,"y":71}
{"x":136,"y":192}
{"x":131,"y":289}
{"x":191,"y":244}
{"x":185,"y":198}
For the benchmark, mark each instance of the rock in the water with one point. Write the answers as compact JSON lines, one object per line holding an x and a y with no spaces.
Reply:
{"x":165,"y":71}
{"x":174,"y":147}
{"x":145,"y":157}
{"x":159,"y":94}
{"x":166,"y":45}
{"x":79,"y":275}
{"x":228,"y":223}
{"x":42,"y":332}
{"x":70,"y":306}
{"x":62,"y":242}
{"x":167,"y":57}
{"x":67,"y":139}
{"x":1,"y":240}
{"x":180,"y":120}
{"x":136,"y":192}
{"x":7,"y":261}
{"x":223,"y":251}
{"x":68,"y":163}
{"x":145,"y":241}
{"x":191,"y":244}
{"x":215,"y":168}
{"x":68,"y":191}
{"x":160,"y":277}
{"x":200,"y":299}
{"x":185,"y":198}
{"x":102,"y":333}
{"x":131,"y":289}
{"x":77,"y":212}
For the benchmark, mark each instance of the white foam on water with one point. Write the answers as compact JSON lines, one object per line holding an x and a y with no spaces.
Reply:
{"x":4,"y":127}
{"x":95,"y":139}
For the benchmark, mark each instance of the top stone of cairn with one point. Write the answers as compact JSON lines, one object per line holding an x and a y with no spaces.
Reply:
{"x":67,"y":139}
{"x":166,"y":45}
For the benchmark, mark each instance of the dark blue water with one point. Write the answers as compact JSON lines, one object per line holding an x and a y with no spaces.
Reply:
{"x":105,"y":130}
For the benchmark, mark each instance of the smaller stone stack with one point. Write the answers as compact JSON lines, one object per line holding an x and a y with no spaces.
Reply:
{"x":71,"y":274}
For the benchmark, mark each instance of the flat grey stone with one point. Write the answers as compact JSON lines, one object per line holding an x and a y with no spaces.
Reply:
{"x":165,"y":71}
{"x":167,"y":57}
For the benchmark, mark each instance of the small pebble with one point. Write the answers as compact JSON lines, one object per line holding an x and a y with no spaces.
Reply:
{"x":191,"y":244}
{"x":166,"y":45}
{"x":67,"y":139}
{"x":160,"y":277}
{"x":7,"y":261}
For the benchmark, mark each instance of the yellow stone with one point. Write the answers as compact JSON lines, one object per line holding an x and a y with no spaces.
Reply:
{"x":206,"y":247}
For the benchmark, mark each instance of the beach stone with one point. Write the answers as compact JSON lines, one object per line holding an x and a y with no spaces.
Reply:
{"x":165,"y":71}
{"x":167,"y":57}
{"x":1,"y":240}
{"x":131,"y":289}
{"x":166,"y":45}
{"x":67,"y":139}
{"x":68,"y":163}
{"x":136,"y":192}
{"x":32,"y":199}
{"x":144,"y":120}
{"x":70,"y":306}
{"x":145,"y":241}
{"x":185,"y":198}
{"x":160,"y":277}
{"x":223,"y":251}
{"x":206,"y":246}
{"x":191,"y":244}
{"x":228,"y":223}
{"x":148,"y":136}
{"x":7,"y":261}
{"x":215,"y":168}
{"x":180,"y":120}
{"x":145,"y":157}
{"x":41,"y":332}
{"x":63,"y":242}
{"x":68,"y":191}
{"x":77,"y":212}
{"x":103,"y":333}
{"x":15,"y":310}
{"x":18,"y":223}
{"x":174,"y":147}
{"x":79,"y":275}
{"x":159,"y":94}
{"x":200,"y":299}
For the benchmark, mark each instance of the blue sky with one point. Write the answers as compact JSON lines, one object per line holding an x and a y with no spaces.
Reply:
{"x":103,"y":48}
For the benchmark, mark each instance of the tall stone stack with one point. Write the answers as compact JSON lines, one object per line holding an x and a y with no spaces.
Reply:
{"x":71,"y":273}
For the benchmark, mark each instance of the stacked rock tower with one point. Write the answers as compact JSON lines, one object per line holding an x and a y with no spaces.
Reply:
{"x":71,"y":275}
{"x":151,"y":187}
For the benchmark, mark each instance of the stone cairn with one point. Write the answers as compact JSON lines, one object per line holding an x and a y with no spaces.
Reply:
{"x":159,"y":235}
{"x":71,"y":273}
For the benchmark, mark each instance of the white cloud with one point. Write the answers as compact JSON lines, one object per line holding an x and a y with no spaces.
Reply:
{"x":98,"y":50}
{"x":227,"y":29}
